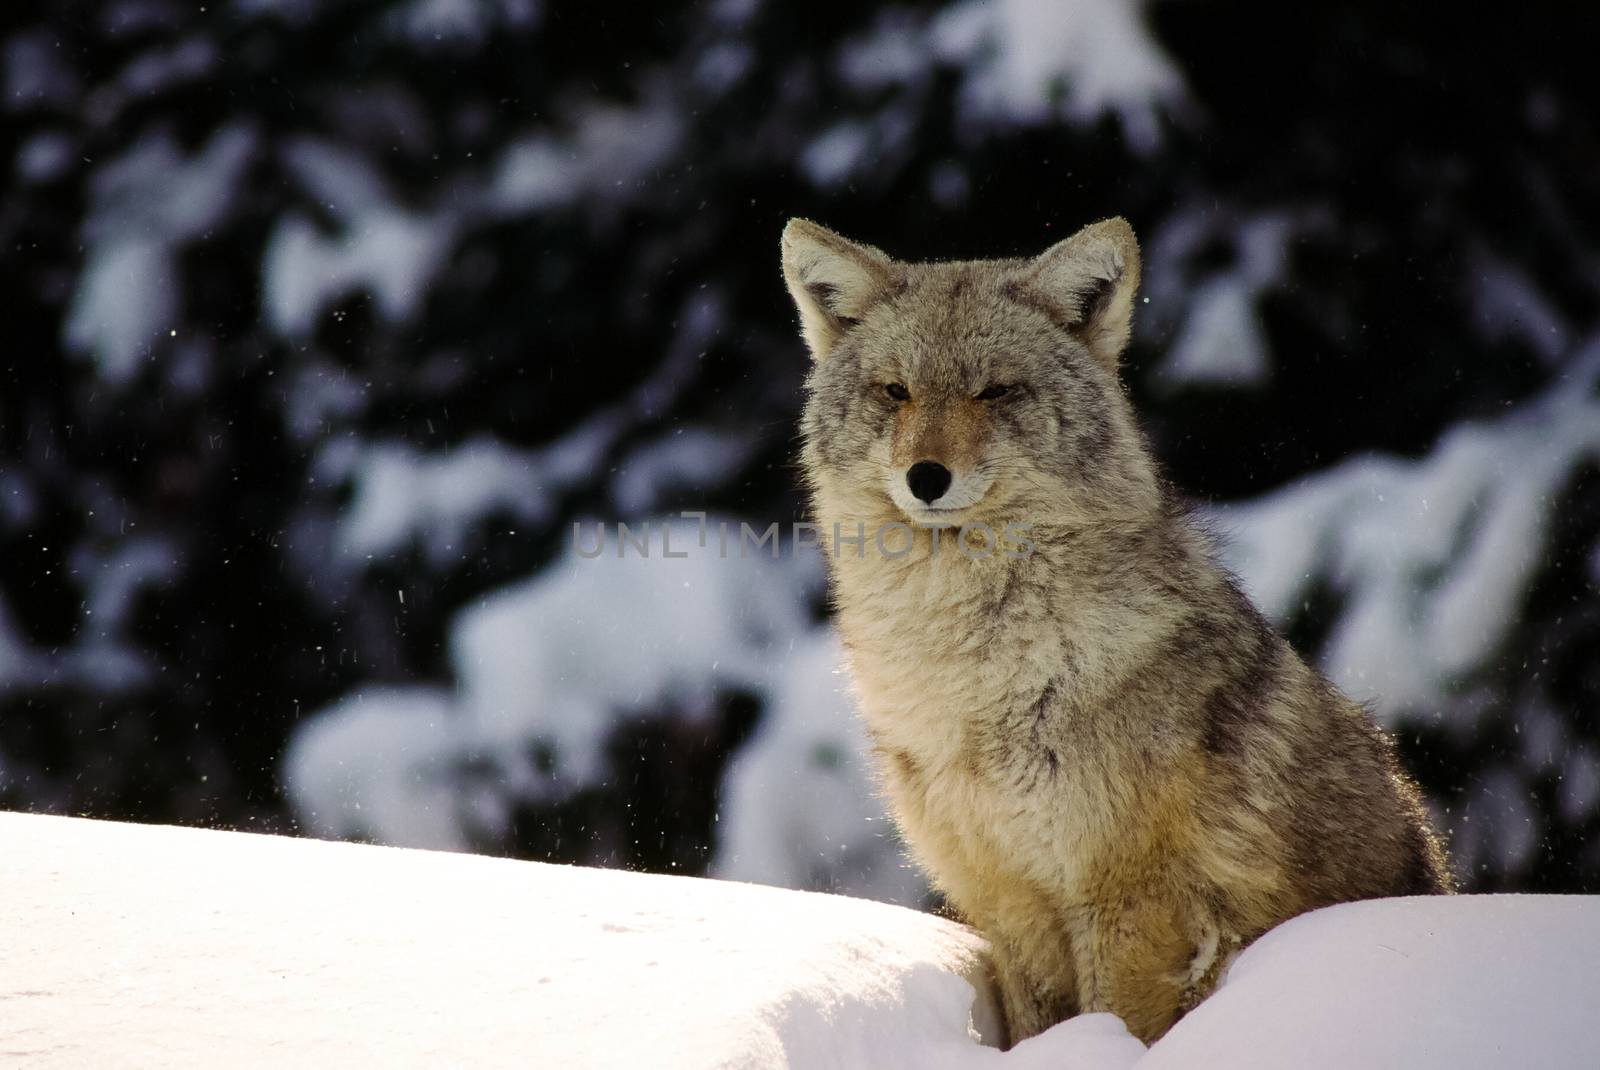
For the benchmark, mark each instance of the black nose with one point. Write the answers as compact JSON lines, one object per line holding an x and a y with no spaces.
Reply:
{"x":928,"y":479}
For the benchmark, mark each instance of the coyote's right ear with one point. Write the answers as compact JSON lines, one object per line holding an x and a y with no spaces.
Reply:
{"x":832,"y":280}
{"x":1090,"y":279}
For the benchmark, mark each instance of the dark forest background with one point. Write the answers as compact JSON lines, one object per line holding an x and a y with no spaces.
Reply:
{"x":253,"y":249}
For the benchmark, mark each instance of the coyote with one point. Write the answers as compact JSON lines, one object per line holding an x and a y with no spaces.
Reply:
{"x":1099,"y":750}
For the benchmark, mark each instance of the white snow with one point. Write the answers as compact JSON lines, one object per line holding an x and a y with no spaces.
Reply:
{"x":44,"y":157}
{"x":1458,"y":982}
{"x":323,"y":395}
{"x":611,"y":151}
{"x":160,"y":70}
{"x":99,"y":657}
{"x":1506,"y":303}
{"x":546,"y":671}
{"x":287,"y":10}
{"x":389,"y":253}
{"x":560,"y":659}
{"x":19,"y":504}
{"x":405,"y":495}
{"x":18,"y":662}
{"x":384,"y":764}
{"x":337,"y":178}
{"x":683,"y":459}
{"x":1096,"y":57}
{"x":892,"y":53}
{"x":1580,"y":782}
{"x":127,"y":295}
{"x":1219,"y":340}
{"x":132,"y":945}
{"x":147,"y":203}
{"x":394,"y":251}
{"x":428,"y":23}
{"x":1494,"y":826}
{"x":800,"y":806}
{"x":722,"y":66}
{"x":1021,"y":61}
{"x":380,"y":247}
{"x":113,"y":575}
{"x":1433,"y":556}
{"x":37,"y":74}
{"x":837,"y":153}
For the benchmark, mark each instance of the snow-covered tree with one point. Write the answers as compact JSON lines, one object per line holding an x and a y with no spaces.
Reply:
{"x":327,"y":319}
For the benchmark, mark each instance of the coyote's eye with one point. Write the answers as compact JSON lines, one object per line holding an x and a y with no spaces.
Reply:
{"x":898,"y":392}
{"x":990,"y":393}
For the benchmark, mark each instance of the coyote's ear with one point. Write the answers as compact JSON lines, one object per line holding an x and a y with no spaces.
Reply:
{"x":1089,"y":279}
{"x":832,"y":281}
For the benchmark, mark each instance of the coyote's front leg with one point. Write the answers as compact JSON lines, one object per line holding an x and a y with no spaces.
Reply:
{"x":1146,"y":964}
{"x":1036,"y":990}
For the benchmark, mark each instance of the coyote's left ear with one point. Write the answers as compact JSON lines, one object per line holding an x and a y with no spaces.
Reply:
{"x":832,"y":281}
{"x":1090,"y":279}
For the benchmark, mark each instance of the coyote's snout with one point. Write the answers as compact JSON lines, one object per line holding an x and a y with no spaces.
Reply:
{"x":1099,"y":750}
{"x":938,"y":453}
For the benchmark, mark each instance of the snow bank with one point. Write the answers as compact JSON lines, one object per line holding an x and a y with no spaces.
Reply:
{"x":1467,"y":981}
{"x":131,"y":945}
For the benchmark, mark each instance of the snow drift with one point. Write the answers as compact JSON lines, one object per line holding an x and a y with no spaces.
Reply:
{"x":132,"y":945}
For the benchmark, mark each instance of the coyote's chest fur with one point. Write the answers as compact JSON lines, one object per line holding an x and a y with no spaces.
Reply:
{"x":1098,"y":749}
{"x":968,"y":677}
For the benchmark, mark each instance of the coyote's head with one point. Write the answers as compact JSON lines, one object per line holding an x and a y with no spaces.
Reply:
{"x":970,"y":392}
